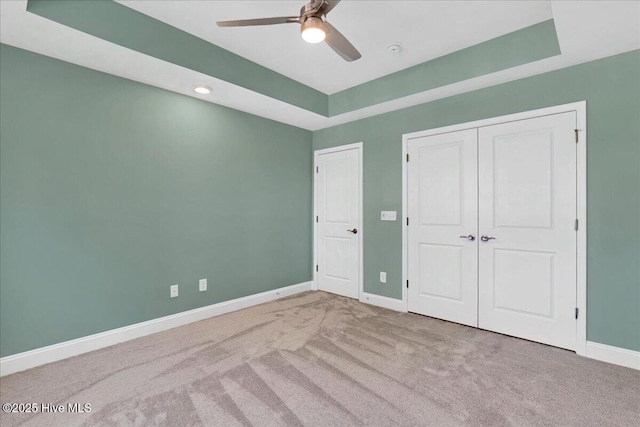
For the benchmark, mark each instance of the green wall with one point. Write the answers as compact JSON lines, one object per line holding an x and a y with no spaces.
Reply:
{"x":611,"y":87}
{"x":111,"y":191}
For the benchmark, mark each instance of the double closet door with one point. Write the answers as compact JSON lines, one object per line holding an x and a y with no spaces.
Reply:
{"x":492,"y":237}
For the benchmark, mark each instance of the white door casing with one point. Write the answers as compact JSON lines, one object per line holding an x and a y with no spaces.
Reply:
{"x":443,"y":249}
{"x":527,"y":206}
{"x":338,"y":205}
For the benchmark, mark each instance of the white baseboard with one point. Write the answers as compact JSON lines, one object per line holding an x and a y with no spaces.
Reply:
{"x":380,"y":301}
{"x":615,"y":355}
{"x":52,"y":353}
{"x":41,"y":356}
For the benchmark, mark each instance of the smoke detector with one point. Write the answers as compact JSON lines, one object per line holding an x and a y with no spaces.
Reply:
{"x":394,"y":48}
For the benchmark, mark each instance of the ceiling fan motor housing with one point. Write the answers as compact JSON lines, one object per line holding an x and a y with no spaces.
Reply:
{"x":311,"y":8}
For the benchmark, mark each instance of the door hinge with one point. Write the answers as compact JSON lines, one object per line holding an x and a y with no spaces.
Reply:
{"x":316,"y":218}
{"x":407,"y":283}
{"x":576,"y":224}
{"x":316,"y":169}
{"x":576,"y":132}
{"x":577,"y":311}
{"x":407,"y":157}
{"x":407,"y":220}
{"x":316,"y":267}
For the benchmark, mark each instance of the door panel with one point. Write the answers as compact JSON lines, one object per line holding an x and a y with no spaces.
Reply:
{"x":527,"y":203}
{"x":337,"y":175}
{"x":440,"y":171}
{"x":337,"y":263}
{"x":522,"y":179}
{"x":440,"y":271}
{"x":338,"y":208}
{"x":443,"y":266}
{"x":523,"y":282}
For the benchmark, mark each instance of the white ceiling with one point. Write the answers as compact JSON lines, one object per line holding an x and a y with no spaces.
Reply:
{"x":426,"y":30}
{"x":587,"y":30}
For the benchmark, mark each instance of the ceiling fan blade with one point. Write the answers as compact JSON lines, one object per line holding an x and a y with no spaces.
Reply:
{"x":259,"y":21}
{"x":330,"y":5}
{"x":340,"y":44}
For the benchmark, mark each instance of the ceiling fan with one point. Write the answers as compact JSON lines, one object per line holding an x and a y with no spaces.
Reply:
{"x":313,"y":27}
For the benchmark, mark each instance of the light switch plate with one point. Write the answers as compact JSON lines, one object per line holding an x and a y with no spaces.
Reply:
{"x":202,"y":285}
{"x":388,"y":215}
{"x":383,"y":277}
{"x":174,"y":291}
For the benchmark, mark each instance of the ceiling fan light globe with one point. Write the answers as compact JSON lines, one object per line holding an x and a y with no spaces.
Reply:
{"x":313,"y":30}
{"x":313,"y":35}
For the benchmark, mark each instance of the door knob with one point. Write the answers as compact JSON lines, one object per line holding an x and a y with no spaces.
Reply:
{"x":354,"y":231}
{"x":470,"y":237}
{"x":486,"y":238}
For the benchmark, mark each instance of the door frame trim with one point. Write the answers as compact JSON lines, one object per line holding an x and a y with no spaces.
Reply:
{"x":580,"y":108}
{"x":355,"y":146}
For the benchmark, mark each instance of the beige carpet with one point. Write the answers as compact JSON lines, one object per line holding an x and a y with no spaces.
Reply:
{"x":321,"y":360}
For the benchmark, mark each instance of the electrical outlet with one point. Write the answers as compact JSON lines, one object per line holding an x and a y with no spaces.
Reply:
{"x":174,"y":291}
{"x":202,"y":285}
{"x":383,"y":277}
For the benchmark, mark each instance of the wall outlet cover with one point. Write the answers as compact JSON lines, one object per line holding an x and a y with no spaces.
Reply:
{"x":383,"y":277}
{"x":202,"y":285}
{"x":174,"y":291}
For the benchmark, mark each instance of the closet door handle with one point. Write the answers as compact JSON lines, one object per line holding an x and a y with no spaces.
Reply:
{"x":486,"y":238}
{"x":470,"y":237}
{"x":354,"y":231}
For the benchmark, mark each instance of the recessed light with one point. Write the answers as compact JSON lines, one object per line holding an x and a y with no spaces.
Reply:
{"x":202,"y":90}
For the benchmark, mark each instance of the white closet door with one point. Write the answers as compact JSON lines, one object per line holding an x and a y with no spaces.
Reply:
{"x":527,"y":208}
{"x":443,"y":264}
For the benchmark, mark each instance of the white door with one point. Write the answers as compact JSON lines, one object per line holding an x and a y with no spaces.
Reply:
{"x":527,"y":212}
{"x":338,"y":206}
{"x":443,"y":248}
